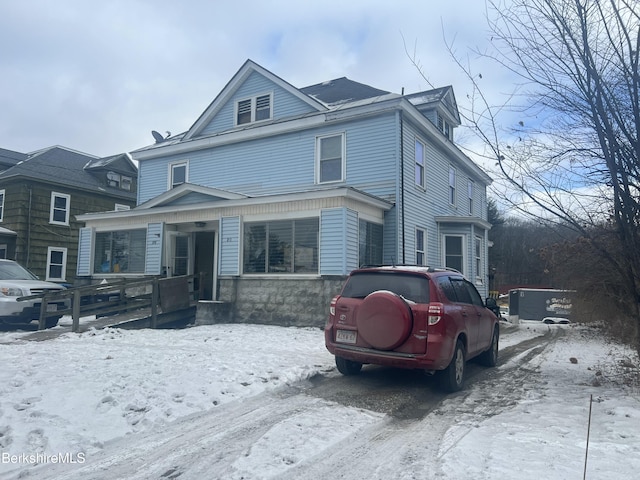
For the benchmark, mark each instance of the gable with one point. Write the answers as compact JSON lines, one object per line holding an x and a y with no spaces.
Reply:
{"x":250,"y":82}
{"x":189,"y":194}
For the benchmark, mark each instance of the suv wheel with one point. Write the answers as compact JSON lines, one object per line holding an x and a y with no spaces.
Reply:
{"x":347,"y":367}
{"x":452,"y":377}
{"x":489,"y":358}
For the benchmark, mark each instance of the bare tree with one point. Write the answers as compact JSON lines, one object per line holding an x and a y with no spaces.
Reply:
{"x":573,"y":154}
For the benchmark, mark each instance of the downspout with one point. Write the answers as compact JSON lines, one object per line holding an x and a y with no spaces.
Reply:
{"x":402,"y":183}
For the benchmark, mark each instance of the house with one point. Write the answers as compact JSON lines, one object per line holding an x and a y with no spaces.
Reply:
{"x":276,"y":193}
{"x":40,"y":195}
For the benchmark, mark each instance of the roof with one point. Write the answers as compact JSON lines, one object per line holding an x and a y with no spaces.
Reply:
{"x":8,"y":158}
{"x":62,"y":166}
{"x":341,"y":90}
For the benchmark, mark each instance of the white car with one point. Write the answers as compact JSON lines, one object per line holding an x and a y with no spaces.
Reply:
{"x":15,"y":282}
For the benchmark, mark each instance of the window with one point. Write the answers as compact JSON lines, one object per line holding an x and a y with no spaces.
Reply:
{"x":444,"y":126}
{"x":1,"y":205}
{"x":120,"y":251}
{"x":56,"y":264}
{"x":478,"y":258}
{"x":420,"y":246}
{"x":178,"y":174}
{"x":369,"y":243}
{"x":59,"y":213}
{"x":3,"y":251}
{"x":330,"y":158}
{"x":452,"y":185}
{"x":420,"y":164}
{"x":453,"y":253}
{"x":116,"y":180}
{"x":287,"y":246}
{"x":470,"y":195}
{"x":253,"y":109}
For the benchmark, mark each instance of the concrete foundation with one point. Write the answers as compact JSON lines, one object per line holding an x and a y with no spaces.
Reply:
{"x":284,"y":301}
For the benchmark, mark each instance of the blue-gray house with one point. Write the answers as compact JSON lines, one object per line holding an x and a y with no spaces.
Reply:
{"x":276,"y":193}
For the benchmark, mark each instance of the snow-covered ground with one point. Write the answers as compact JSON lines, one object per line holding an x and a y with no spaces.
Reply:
{"x":71,"y":399}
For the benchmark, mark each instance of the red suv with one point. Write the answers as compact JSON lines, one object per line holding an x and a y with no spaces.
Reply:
{"x":412,"y":317}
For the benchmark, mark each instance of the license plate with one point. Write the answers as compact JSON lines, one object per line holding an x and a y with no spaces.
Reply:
{"x":346,"y":336}
{"x":52,"y":307}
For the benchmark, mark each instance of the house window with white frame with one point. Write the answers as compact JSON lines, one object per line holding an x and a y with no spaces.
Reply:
{"x":3,"y":250}
{"x":419,"y":156}
{"x":1,"y":205}
{"x":179,"y":174}
{"x":117,"y":180}
{"x":470,"y":189}
{"x":60,"y":206}
{"x":478,"y":258}
{"x":120,"y":251}
{"x":56,"y":264}
{"x":281,"y":246}
{"x":330,"y":164}
{"x":452,"y":185}
{"x":453,"y":252}
{"x":421,"y":241}
{"x":255,"y":109}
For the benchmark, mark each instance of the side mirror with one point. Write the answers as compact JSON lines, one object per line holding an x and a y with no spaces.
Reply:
{"x":491,"y":303}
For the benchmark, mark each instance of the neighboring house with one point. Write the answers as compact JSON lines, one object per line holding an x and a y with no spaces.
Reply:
{"x":40,"y":195}
{"x":277,"y":193}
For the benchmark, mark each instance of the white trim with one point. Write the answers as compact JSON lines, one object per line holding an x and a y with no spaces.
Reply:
{"x":343,"y":153}
{"x":2,"y":194}
{"x":478,"y":262}
{"x":66,"y":210}
{"x":64,"y":263}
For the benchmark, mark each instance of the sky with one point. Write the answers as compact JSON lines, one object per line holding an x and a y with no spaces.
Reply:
{"x":232,"y":401}
{"x":98,"y":77}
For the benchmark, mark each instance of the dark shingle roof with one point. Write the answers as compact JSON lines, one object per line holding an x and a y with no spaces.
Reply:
{"x":61,"y":166}
{"x":341,"y":90}
{"x":8,"y":158}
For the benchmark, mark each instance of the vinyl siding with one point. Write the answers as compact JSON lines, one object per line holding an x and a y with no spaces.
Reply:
{"x":286,"y":163}
{"x":229,"y":246}
{"x":85,"y":247}
{"x":338,"y":241}
{"x":153,"y":258}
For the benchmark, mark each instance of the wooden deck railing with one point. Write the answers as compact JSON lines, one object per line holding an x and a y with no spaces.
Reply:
{"x":160,"y":295}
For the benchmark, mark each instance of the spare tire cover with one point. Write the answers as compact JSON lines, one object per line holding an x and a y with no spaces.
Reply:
{"x":384,"y":320}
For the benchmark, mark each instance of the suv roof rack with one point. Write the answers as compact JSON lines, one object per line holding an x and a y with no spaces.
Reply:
{"x":427,"y":267}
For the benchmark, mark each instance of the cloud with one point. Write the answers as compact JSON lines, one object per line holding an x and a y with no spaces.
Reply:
{"x":99,"y":76}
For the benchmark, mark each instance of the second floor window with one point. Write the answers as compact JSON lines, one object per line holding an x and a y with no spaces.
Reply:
{"x":470,"y":195}
{"x":452,"y":185}
{"x":253,"y":109}
{"x":330,"y":158}
{"x":178,"y":174}
{"x":419,"y":164}
{"x":59,"y":213}
{"x":1,"y":205}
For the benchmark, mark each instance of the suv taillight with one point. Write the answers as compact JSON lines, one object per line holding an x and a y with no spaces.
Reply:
{"x":435,"y":313}
{"x":332,"y":306}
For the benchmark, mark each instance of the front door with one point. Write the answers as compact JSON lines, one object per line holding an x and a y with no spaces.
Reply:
{"x":205,"y":264}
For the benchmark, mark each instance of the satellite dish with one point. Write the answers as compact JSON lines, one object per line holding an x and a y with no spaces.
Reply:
{"x":159,"y":138}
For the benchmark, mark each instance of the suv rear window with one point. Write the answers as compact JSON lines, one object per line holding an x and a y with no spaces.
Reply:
{"x":411,"y":287}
